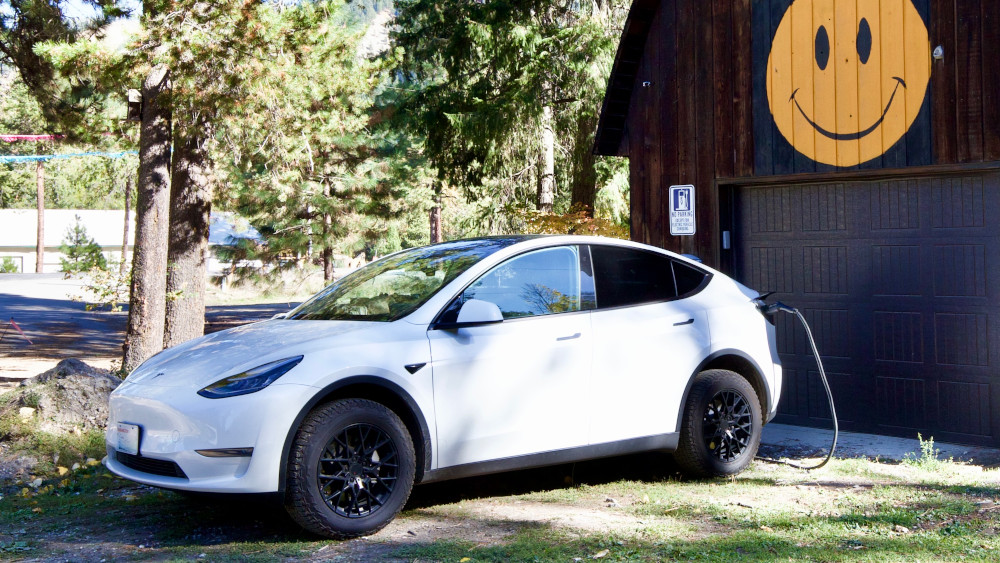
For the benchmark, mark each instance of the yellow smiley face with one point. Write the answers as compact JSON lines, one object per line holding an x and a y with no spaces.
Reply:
{"x":847,"y":78}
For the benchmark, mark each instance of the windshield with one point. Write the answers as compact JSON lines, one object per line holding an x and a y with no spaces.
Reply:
{"x":396,"y":285}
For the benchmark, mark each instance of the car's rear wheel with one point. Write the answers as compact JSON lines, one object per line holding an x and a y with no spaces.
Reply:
{"x":722,"y":424}
{"x":351,"y":469}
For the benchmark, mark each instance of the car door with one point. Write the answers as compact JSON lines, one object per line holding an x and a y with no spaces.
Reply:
{"x":651,"y":338}
{"x":519,"y":386}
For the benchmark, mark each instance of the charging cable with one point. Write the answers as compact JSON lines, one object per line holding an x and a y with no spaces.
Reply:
{"x":771,"y":310}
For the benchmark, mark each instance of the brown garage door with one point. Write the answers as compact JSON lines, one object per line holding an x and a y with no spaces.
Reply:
{"x":900,"y":282}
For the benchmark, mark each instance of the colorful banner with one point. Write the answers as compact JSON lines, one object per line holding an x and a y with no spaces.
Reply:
{"x":14,"y":138}
{"x":17,"y":158}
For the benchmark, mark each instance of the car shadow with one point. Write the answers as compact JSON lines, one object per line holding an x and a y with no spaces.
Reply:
{"x":647,"y":467}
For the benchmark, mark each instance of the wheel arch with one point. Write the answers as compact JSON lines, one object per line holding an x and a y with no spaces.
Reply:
{"x":738,"y":362}
{"x":374,"y":389}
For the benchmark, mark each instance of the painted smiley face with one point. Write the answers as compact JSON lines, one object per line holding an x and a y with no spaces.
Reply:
{"x":847,"y":78}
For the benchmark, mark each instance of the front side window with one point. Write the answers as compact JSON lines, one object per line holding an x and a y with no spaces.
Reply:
{"x":396,"y":285}
{"x":542,"y":282}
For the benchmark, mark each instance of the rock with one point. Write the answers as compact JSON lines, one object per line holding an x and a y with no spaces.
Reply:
{"x":26,"y":413}
{"x":901,"y":529}
{"x":68,"y":368}
{"x":71,"y":397}
{"x":36,"y":483}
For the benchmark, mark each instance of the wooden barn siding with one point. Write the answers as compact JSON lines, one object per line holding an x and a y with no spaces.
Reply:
{"x":694,"y":123}
{"x":965,"y":88}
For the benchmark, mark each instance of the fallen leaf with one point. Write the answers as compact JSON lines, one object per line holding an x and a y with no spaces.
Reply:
{"x":600,"y":554}
{"x":62,"y":470}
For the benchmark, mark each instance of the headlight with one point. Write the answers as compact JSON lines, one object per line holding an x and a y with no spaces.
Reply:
{"x":250,"y":381}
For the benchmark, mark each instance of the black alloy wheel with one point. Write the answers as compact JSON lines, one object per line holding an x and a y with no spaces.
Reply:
{"x":721,"y":425}
{"x":727,"y":426}
{"x":358,"y":471}
{"x":350,"y":470}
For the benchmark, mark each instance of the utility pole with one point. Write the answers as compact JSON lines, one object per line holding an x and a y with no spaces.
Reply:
{"x":40,"y":241}
{"x":128,"y":205}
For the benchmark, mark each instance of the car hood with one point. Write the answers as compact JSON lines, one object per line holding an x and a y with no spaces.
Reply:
{"x":207,"y":359}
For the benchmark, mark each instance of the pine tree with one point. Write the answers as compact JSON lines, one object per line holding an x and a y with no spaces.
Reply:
{"x":81,"y":251}
{"x":311,"y":168}
{"x":507,"y":93}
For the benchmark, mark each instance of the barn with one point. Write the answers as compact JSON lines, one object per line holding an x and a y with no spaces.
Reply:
{"x":844,"y":154}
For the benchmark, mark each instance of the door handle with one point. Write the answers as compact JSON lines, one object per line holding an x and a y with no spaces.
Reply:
{"x":570,"y":337}
{"x":687,"y":322}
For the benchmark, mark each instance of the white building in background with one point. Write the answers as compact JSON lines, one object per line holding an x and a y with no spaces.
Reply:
{"x":18,"y":231}
{"x":18,"y":228}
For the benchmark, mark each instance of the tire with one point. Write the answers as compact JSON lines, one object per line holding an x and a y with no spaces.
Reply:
{"x":350,"y":470}
{"x":722,"y":424}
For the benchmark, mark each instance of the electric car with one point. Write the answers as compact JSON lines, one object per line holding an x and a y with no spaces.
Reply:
{"x":457,"y":359}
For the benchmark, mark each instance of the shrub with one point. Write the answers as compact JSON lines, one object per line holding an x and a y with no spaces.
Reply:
{"x":108,"y":287}
{"x":8,"y":265}
{"x":579,"y":220}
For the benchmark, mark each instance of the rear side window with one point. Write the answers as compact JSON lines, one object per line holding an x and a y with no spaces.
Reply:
{"x":689,"y":280}
{"x":627,"y":276}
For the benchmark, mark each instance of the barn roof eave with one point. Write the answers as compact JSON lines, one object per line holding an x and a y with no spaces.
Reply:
{"x":614,"y":110}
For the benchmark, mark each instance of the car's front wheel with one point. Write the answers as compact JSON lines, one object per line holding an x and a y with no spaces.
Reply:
{"x":351,"y":469}
{"x":722,"y":424}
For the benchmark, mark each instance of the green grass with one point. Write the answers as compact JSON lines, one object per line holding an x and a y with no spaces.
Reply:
{"x":854,"y":511}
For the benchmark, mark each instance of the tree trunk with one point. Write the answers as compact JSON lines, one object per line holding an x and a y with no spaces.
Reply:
{"x":436,"y":215}
{"x":547,"y":189}
{"x":327,"y":244}
{"x":190,"y":210}
{"x":40,"y":234}
{"x":584,"y":174}
{"x":128,"y":205}
{"x":144,"y":334}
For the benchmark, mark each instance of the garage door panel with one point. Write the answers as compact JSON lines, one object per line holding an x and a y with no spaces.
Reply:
{"x":960,"y":270}
{"x":898,"y":336}
{"x":901,"y":403}
{"x":898,"y":280}
{"x":893,"y":268}
{"x":965,"y":408}
{"x":824,"y":209}
{"x":961,"y":339}
{"x":895,"y":206}
{"x":824,"y":269}
{"x":958,"y":203}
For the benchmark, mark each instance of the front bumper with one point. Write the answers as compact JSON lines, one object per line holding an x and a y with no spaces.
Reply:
{"x":175,"y":422}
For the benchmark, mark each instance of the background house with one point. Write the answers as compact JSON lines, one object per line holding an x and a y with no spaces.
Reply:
{"x":106,"y":227}
{"x":18,"y":232}
{"x":845,"y":155}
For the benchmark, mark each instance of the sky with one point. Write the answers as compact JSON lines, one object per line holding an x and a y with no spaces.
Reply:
{"x":80,"y":9}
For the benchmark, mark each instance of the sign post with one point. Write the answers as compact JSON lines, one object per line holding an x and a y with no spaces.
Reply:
{"x":682,"y":218}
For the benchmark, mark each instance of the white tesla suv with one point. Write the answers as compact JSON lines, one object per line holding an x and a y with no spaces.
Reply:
{"x":457,"y":359}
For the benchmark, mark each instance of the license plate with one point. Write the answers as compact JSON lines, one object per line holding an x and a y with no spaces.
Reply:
{"x":128,"y":438}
